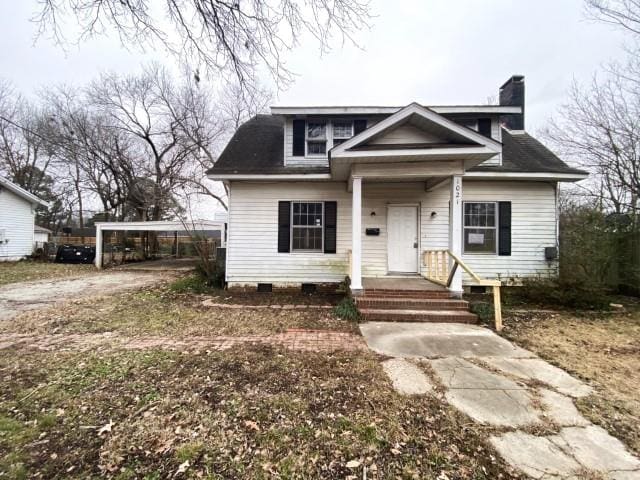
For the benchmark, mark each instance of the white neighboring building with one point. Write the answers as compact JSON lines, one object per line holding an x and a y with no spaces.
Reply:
{"x":17,"y":221}
{"x":40,"y":236}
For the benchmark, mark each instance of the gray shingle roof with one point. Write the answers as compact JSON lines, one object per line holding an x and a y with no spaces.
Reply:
{"x":257,"y":147}
{"x":524,"y":154}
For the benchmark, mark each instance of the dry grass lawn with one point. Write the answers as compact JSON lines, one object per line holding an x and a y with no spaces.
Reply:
{"x":27,"y":271}
{"x":601,"y":348}
{"x":250,"y":412}
{"x":159,"y":310}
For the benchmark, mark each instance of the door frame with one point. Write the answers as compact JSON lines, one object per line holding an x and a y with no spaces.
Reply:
{"x":417,"y":207}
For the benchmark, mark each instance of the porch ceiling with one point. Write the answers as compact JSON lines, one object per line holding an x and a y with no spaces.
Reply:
{"x":406,"y":171}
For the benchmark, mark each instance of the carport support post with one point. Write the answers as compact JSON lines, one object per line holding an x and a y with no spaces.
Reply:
{"x":455,"y":231}
{"x":98,"y":260}
{"x":356,"y":236}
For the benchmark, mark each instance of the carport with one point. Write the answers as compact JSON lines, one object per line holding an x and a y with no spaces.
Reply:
{"x":156,"y":226}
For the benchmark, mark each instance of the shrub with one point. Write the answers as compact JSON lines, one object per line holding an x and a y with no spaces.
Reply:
{"x":484,"y":311}
{"x":562,"y":293}
{"x":191,"y":284}
{"x":347,"y":310}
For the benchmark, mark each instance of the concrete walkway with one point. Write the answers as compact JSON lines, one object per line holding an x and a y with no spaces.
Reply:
{"x":507,"y":388}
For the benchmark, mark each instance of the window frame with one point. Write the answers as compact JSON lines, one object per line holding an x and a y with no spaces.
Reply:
{"x":327,"y":123}
{"x":333,"y":133}
{"x":292,"y":226}
{"x":495,"y":228}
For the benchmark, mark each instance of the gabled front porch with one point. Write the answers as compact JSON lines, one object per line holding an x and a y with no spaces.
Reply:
{"x":421,"y":158}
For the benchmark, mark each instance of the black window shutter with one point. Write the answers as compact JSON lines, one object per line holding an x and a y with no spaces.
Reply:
{"x":284,"y":226}
{"x":359,"y":126}
{"x":484,"y":127}
{"x":504,"y":228}
{"x":298,"y":138}
{"x":330,"y":224}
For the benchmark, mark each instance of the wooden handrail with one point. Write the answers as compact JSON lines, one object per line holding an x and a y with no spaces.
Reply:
{"x":438,"y":270}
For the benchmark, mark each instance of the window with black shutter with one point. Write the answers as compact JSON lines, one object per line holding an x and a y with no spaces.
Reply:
{"x":307,"y":226}
{"x":359,"y":126}
{"x":299,"y":128}
{"x":504,"y":228}
{"x":284,"y":227}
{"x":484,"y":127}
{"x":330,"y":226}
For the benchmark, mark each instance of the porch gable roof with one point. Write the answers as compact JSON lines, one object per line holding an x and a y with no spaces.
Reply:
{"x":448,"y":133}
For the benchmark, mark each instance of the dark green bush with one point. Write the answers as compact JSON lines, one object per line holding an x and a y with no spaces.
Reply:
{"x":347,"y":310}
{"x":484,"y":311}
{"x":561,"y":293}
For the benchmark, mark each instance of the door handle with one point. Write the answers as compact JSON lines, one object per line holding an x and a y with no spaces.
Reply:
{"x":415,"y":244}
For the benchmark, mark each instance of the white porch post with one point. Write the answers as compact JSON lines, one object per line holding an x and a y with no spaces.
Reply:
{"x":356,"y":235}
{"x":455,"y":230}
{"x":98,"y":259}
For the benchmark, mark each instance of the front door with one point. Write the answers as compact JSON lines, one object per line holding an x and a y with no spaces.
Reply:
{"x":402,"y":238}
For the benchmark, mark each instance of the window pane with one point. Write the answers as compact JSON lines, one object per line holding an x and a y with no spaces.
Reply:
{"x":479,"y":214}
{"x":342,"y":129}
{"x":479,"y":240}
{"x":316,"y":148}
{"x":338,"y":141}
{"x":307,"y":238}
{"x":316,"y":130}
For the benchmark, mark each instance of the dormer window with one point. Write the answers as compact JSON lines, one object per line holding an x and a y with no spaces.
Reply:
{"x":342,"y":131}
{"x":316,"y":138}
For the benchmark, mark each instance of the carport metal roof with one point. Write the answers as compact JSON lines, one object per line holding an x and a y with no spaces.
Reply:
{"x":155,"y":226}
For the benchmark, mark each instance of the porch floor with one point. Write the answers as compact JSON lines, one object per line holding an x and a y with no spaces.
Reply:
{"x":407,"y":283}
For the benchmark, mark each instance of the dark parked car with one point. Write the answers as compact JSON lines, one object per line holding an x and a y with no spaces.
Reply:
{"x":75,"y":254}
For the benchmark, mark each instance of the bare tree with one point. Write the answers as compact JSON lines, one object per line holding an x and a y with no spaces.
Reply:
{"x":229,"y":36}
{"x":600,"y":128}
{"x":620,"y":13}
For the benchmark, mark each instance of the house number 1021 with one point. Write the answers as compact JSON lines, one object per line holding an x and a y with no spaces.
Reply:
{"x":458,"y":190}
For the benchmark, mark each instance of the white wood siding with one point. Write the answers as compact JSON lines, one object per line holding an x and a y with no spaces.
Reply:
{"x":533,"y":227}
{"x":252,"y":247}
{"x":16,"y":226}
{"x":252,"y":254}
{"x":406,"y":134}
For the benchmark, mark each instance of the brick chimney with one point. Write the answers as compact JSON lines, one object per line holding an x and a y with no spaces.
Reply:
{"x":512,"y":95}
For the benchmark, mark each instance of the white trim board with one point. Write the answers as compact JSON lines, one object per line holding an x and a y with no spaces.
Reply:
{"x":560,"y":177}
{"x":383,"y":110}
{"x":267,"y":176}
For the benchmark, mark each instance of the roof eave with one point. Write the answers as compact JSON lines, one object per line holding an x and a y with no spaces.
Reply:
{"x":537,"y":176}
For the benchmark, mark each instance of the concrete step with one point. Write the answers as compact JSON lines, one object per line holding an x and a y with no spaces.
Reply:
{"x":410,"y":303}
{"x":427,"y":316}
{"x":378,"y":292}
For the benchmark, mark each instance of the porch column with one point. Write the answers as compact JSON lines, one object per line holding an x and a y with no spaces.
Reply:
{"x":455,"y":230}
{"x":98,"y":259}
{"x":356,"y":236}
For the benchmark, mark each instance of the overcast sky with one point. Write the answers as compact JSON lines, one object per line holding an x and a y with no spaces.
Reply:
{"x":430,"y":51}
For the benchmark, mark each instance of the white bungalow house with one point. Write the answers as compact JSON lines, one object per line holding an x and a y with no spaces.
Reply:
{"x":320,"y":193}
{"x":17,"y":220}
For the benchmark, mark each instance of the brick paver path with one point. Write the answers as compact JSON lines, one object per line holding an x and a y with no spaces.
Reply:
{"x":293,"y":339}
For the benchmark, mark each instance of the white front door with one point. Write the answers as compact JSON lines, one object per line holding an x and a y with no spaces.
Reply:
{"x":402,"y":238}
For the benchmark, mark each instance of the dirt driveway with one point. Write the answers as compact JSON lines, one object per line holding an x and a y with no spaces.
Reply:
{"x":16,"y":298}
